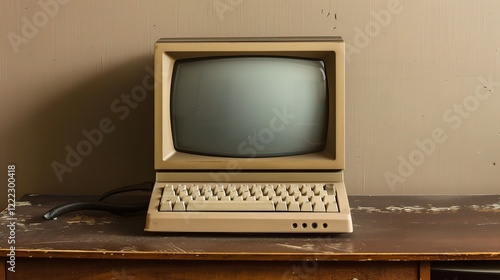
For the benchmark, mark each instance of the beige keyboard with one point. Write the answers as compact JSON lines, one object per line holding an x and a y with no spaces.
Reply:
{"x":244,"y":207}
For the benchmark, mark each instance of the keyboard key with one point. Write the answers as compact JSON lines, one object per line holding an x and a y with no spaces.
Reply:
{"x":276,"y":199}
{"x":179,"y":206}
{"x":245,"y":194}
{"x":330,"y":189}
{"x":332,"y":207}
{"x":270,"y":193}
{"x":329,"y":199}
{"x":316,"y":199}
{"x":322,"y":193}
{"x":304,"y":189}
{"x":281,"y":190}
{"x":183,"y":193}
{"x":233,"y":193}
{"x":281,"y":206}
{"x":166,"y":206}
{"x":303,"y":199}
{"x":230,"y":206}
{"x":207,"y":192}
{"x":293,"y":188}
{"x":293,"y":206}
{"x":220,"y":195}
{"x":256,"y":186}
{"x":284,"y":195}
{"x":219,"y":189}
{"x":309,"y":194}
{"x":169,"y":193}
{"x":319,"y":207}
{"x":306,"y":206}
{"x":257,"y":193}
{"x":231,"y":187}
{"x":194,"y":192}
{"x":289,"y":199}
{"x":173,"y":199}
{"x":243,"y":188}
{"x":206,"y":188}
{"x":263,"y":198}
{"x":180,"y":188}
{"x":318,"y":188}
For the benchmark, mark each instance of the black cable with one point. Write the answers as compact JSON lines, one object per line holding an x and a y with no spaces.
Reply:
{"x":147,"y":186}
{"x":119,"y":209}
{"x":99,"y":206}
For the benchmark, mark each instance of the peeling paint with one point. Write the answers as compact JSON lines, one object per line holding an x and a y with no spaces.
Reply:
{"x":407,"y":209}
{"x":488,"y":224}
{"x":493,"y":207}
{"x":88,"y":220}
{"x":22,"y":203}
{"x":368,"y":209}
{"x":343,"y":247}
{"x":305,"y":247}
{"x":176,"y":248}
{"x":129,"y":249}
{"x":453,"y":208}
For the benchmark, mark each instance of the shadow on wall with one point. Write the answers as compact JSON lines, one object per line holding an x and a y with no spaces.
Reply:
{"x":95,"y":137}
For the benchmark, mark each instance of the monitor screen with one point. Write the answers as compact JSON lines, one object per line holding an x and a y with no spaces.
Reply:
{"x":249,"y":106}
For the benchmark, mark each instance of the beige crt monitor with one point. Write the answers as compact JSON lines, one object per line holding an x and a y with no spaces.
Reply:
{"x":211,"y":137}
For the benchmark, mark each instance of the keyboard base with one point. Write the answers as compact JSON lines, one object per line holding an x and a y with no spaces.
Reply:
{"x":249,"y":222}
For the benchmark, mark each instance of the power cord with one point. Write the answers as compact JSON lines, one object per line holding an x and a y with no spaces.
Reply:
{"x":99,"y":205}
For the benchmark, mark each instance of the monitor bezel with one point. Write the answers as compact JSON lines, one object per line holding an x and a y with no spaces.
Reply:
{"x":330,"y":50}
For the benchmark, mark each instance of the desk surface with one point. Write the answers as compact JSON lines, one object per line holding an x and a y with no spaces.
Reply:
{"x":385,"y":228}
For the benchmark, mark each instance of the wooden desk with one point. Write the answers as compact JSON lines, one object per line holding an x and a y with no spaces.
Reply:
{"x":395,"y":237}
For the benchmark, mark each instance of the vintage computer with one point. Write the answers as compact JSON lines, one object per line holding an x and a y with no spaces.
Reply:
{"x":249,"y":136}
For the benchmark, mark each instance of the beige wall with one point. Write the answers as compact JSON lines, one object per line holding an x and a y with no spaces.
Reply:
{"x":417,"y":72}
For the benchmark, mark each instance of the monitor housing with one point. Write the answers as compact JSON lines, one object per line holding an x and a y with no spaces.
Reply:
{"x":174,"y":165}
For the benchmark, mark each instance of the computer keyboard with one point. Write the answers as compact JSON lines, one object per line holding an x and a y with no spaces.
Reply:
{"x":249,"y":197}
{"x":249,"y":207}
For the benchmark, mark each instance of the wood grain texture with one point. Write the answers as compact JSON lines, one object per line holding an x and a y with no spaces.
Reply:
{"x":3,"y":268}
{"x":425,"y":271}
{"x":55,"y":269}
